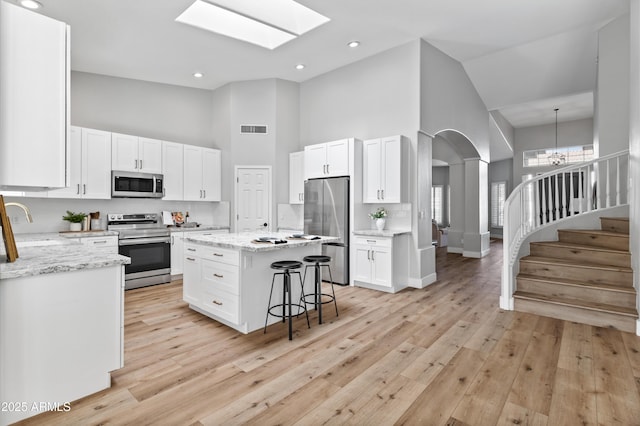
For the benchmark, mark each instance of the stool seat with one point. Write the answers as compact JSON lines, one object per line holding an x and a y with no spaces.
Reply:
{"x":286,"y":264}
{"x":317,"y":259}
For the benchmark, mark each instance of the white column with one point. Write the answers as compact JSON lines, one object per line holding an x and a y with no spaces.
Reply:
{"x":456,"y":230}
{"x":476,"y":208}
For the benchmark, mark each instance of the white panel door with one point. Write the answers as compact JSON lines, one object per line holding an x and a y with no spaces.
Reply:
{"x":371,"y":171}
{"x":96,"y":164}
{"x":211,"y":175}
{"x":149,"y":155}
{"x":338,"y":158}
{"x":253,"y":199}
{"x":124,"y":152}
{"x":172,"y":170}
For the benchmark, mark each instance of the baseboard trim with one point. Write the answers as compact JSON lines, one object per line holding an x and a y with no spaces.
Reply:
{"x":422,"y":282}
{"x":475,"y":254}
{"x":638,"y":327}
{"x":457,"y":250}
{"x":507,"y":303}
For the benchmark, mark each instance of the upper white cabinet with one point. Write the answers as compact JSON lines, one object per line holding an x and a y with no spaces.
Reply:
{"x":34,"y":100}
{"x":90,"y":165}
{"x":296,"y":177}
{"x":385,"y":170}
{"x":173,"y":171}
{"x":327,"y":159}
{"x":202,"y":174}
{"x":136,"y":154}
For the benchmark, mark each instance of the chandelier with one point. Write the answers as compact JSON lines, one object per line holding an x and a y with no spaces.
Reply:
{"x":556,"y":159}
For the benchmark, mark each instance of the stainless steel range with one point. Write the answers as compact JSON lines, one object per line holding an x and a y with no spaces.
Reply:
{"x":144,"y":239}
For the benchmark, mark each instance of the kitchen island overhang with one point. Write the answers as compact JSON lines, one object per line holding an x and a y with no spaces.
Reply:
{"x":228,"y":277}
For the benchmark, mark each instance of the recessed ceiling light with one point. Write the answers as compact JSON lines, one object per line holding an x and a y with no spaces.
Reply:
{"x":198,"y":75}
{"x":267,"y":24}
{"x":30,"y":4}
{"x":300,"y":66}
{"x":354,"y":43}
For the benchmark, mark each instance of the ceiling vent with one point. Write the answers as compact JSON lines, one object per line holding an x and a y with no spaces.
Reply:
{"x":253,"y":129}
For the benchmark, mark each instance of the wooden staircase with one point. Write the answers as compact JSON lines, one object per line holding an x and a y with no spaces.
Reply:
{"x":584,"y":277}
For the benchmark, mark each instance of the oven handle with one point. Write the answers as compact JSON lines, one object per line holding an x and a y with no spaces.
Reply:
{"x":138,"y":241}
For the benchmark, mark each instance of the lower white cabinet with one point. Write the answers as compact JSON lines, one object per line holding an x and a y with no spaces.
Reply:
{"x":381,"y":263}
{"x":177,"y":247}
{"x":107,"y":243}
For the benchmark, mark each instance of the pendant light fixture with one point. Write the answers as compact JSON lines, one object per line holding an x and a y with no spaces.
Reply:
{"x":556,"y":159}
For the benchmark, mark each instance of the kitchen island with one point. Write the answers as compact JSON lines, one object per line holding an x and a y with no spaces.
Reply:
{"x":61,"y":324}
{"x":228,"y":277}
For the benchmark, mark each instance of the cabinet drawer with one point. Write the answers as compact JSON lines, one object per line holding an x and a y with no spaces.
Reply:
{"x":220,"y":275}
{"x":221,"y":303}
{"x":373,"y":241}
{"x":231,"y":257}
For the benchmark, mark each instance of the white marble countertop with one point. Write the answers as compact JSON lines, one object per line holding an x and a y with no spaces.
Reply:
{"x":88,"y":234}
{"x":49,"y":253}
{"x":245,"y":241}
{"x":197,"y":228}
{"x":383,"y":233}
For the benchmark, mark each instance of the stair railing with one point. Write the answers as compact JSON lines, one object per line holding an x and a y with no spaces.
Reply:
{"x":557,"y":196}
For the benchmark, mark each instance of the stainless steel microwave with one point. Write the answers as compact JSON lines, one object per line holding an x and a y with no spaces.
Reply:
{"x":136,"y":185}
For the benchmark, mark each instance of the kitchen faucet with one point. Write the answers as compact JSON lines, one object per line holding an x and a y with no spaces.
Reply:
{"x":24,"y":208}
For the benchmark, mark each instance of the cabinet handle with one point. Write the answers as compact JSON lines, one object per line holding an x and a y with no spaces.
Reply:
{"x":140,"y":164}
{"x":204,"y":193}
{"x":135,"y":164}
{"x":78,"y":190}
{"x":191,"y":259}
{"x":218,"y":276}
{"x":327,"y":169}
{"x":172,"y":242}
{"x":100,"y":242}
{"x":218,"y":254}
{"x":371,"y":241}
{"x":378,"y":194}
{"x":191,"y":249}
{"x":84,"y":188}
{"x":372,"y":256}
{"x":382,"y":192}
{"x":216,"y":302}
{"x":368,"y":254}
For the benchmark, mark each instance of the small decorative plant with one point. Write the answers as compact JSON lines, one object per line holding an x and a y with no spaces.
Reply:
{"x":378,"y":214}
{"x":74,"y":217}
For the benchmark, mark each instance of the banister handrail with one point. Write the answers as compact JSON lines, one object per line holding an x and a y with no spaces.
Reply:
{"x":548,"y":198}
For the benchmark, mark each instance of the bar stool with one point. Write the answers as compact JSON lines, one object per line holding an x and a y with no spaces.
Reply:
{"x":318,"y":261}
{"x":287,"y":266}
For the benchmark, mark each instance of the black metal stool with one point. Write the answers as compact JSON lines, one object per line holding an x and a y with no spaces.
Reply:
{"x":286,"y":266}
{"x":318,"y":261}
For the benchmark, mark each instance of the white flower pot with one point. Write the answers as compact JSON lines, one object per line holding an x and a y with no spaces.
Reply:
{"x":75,"y":226}
{"x":380,"y":223}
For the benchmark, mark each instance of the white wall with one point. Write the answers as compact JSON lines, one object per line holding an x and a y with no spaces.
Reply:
{"x":634,"y":142}
{"x":375,"y":97}
{"x":570,"y":133}
{"x":448,"y":100}
{"x":612,"y":106}
{"x":142,"y":108}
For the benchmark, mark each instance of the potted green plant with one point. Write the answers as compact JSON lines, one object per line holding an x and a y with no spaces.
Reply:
{"x":75,"y":220}
{"x":379,"y":216}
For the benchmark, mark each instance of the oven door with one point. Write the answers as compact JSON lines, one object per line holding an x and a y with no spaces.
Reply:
{"x":150,"y":261}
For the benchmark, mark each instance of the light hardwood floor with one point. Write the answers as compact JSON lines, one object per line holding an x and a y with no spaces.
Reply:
{"x":445,"y":354}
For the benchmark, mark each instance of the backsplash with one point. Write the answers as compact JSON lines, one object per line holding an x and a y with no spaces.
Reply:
{"x":398,"y":216}
{"x":291,"y":216}
{"x":47,"y":212}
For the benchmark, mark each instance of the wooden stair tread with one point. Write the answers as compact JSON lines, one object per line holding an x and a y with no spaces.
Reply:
{"x":579,"y":246}
{"x":576,"y":283}
{"x":592,"y":306}
{"x":623,"y":219}
{"x":596,"y":232}
{"x":566,"y":262}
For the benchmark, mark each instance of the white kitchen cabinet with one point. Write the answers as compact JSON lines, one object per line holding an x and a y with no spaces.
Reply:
{"x":177,"y":253}
{"x":173,"y":171}
{"x":136,"y":154}
{"x":34,"y":100}
{"x":327,"y":159}
{"x":296,"y":177}
{"x":107,"y":243}
{"x":202,"y":174}
{"x":90,"y":165}
{"x":385,"y":170}
{"x":191,"y":292}
{"x":381,"y":262}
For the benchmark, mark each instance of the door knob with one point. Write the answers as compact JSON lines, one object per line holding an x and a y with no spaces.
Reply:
{"x":265,"y":224}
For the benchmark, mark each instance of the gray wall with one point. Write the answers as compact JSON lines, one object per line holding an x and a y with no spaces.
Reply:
{"x":375,"y":97}
{"x":570,"y":133}
{"x":448,"y":100}
{"x":142,"y":108}
{"x":612,"y":106}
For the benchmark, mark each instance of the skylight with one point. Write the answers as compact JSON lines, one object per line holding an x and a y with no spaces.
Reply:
{"x":265,"y":23}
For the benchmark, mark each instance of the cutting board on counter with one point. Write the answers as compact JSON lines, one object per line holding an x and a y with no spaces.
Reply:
{"x":7,"y":234}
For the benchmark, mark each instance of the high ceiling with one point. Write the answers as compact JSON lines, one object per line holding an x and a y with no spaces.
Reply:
{"x":525,"y":57}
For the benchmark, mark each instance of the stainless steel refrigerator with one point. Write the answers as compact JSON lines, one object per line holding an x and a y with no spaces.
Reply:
{"x":326,"y":212}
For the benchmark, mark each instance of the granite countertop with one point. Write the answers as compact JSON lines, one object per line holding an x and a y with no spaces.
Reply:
{"x":88,"y":234}
{"x":49,"y":253}
{"x":197,"y":228}
{"x":244,"y":241}
{"x":383,"y":233}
